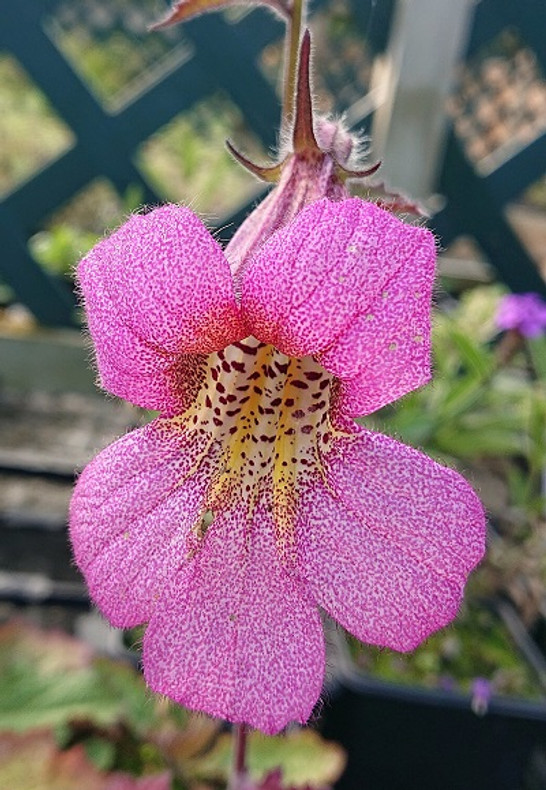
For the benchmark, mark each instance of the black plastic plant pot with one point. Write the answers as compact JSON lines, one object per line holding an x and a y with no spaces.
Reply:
{"x":407,"y":738}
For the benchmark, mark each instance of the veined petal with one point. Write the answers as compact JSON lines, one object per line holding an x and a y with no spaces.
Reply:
{"x":234,"y":635}
{"x":157,"y":288}
{"x":350,"y":284}
{"x":131,"y":369}
{"x":132,"y":512}
{"x":386,"y":352}
{"x":387,"y":539}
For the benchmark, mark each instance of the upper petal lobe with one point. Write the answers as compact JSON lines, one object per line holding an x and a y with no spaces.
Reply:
{"x":157,"y":288}
{"x":349,"y":283}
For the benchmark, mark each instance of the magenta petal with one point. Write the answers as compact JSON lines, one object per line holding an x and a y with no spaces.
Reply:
{"x":130,"y":368}
{"x":234,"y":635}
{"x":388,"y":545}
{"x":386,"y":352}
{"x":131,"y":513}
{"x":157,"y":288}
{"x":349,"y":283}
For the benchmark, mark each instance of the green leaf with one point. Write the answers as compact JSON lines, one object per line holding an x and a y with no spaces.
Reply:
{"x":537,"y":348}
{"x":48,"y":679}
{"x":303,"y":755}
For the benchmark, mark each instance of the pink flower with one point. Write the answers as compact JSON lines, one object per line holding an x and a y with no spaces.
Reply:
{"x":524,"y":312}
{"x":254,"y":500}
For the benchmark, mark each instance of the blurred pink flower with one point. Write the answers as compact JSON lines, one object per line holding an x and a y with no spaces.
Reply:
{"x":524,"y":312}
{"x":254,"y":500}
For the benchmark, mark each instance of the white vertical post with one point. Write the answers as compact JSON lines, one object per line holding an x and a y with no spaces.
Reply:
{"x":408,"y":130}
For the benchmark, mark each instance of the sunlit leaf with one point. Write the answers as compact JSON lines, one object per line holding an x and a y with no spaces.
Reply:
{"x":303,"y":756}
{"x":48,"y":679}
{"x":33,"y":760}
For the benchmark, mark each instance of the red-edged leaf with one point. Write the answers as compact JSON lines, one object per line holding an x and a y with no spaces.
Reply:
{"x":183,"y":10}
{"x":33,"y":761}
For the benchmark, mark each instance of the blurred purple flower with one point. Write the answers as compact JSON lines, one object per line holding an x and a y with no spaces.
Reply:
{"x":524,"y":312}
{"x":481,"y":695}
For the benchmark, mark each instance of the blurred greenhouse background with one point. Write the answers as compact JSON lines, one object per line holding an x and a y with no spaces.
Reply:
{"x":99,"y":116}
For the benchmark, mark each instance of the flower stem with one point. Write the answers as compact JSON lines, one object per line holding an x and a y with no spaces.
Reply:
{"x":238,"y":775}
{"x":291,"y":61}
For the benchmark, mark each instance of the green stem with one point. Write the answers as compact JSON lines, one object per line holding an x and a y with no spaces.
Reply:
{"x":293,"y":36}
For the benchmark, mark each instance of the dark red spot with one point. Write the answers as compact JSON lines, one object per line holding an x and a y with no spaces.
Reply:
{"x":298,"y":414}
{"x":276,"y":402}
{"x":216,"y":421}
{"x":214,"y":374}
{"x":244,"y":400}
{"x":208,"y":402}
{"x":226,"y":366}
{"x":302,"y":385}
{"x":230,"y":398}
{"x":232,"y":412}
{"x":239,"y":366}
{"x":312,"y":375}
{"x":289,"y":402}
{"x":317,"y":406}
{"x":282,"y":367}
{"x":220,"y":387}
{"x":252,"y":350}
{"x":307,"y":429}
{"x":258,"y":390}
{"x":324,"y":383}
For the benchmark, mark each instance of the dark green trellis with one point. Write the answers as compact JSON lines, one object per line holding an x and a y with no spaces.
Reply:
{"x":224,"y":57}
{"x":475,"y":203}
{"x":105,"y":142}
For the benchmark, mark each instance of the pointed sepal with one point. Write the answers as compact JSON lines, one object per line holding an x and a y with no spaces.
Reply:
{"x":303,"y":135}
{"x":267,"y":173}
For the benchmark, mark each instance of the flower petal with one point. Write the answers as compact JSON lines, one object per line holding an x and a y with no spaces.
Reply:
{"x":157,"y":288}
{"x":388,"y":543}
{"x":351,"y":284}
{"x":235,"y":635}
{"x":132,"y":510}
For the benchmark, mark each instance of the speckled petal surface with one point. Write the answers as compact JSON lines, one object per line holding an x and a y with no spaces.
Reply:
{"x":335,"y":284}
{"x":387,"y":544}
{"x":386,"y":352}
{"x":132,"y":510}
{"x":234,"y":635}
{"x":157,"y":288}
